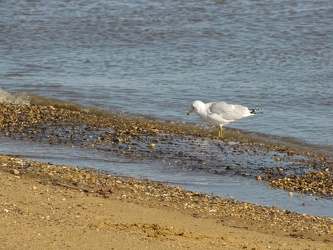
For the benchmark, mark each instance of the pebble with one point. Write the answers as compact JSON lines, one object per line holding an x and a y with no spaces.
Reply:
{"x":15,"y":172}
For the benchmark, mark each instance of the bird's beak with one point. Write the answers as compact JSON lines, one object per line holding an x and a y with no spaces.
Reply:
{"x":190,"y":111}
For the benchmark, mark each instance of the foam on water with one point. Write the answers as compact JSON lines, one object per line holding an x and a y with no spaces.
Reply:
{"x":18,"y":98}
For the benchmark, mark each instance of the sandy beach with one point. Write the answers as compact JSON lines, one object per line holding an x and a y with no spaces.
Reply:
{"x":60,"y":207}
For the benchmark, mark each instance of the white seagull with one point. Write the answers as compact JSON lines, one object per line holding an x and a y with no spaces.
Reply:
{"x":221,"y":113}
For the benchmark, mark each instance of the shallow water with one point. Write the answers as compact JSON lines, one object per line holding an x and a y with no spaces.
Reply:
{"x":228,"y":185}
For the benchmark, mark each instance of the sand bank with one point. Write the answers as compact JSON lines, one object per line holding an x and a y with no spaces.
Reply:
{"x":60,"y":207}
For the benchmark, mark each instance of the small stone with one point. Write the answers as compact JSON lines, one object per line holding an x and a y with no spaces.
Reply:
{"x":117,"y":140}
{"x":15,"y":172}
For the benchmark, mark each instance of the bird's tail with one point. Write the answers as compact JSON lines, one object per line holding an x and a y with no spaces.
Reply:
{"x":256,"y":111}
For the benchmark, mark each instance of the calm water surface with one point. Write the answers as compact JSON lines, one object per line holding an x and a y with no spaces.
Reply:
{"x":156,"y":57}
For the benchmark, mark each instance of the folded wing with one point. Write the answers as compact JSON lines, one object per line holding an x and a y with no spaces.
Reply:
{"x":227,"y":111}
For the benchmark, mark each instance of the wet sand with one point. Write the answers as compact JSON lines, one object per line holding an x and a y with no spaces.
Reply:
{"x":57,"y":207}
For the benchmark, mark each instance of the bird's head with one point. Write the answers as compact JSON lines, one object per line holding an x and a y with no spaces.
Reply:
{"x":195,"y":106}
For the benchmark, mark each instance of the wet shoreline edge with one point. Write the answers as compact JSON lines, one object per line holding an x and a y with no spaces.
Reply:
{"x":135,"y":138}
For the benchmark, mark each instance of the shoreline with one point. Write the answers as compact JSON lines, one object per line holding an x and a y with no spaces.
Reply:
{"x":63,"y":207}
{"x":45,"y":196}
{"x":281,"y":166}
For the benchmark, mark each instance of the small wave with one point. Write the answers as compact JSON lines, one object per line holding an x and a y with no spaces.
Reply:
{"x":14,"y":98}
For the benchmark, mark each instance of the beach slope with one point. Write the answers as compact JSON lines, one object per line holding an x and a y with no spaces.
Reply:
{"x":45,"y":206}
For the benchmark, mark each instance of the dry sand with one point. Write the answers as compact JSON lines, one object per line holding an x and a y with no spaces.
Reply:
{"x":44,"y":206}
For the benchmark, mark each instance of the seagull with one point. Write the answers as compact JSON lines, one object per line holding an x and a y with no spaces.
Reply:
{"x":221,"y":113}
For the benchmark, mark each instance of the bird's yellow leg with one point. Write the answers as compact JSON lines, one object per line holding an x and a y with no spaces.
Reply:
{"x":220,"y":132}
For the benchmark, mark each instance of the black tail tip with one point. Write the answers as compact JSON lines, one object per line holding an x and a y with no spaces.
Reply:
{"x":256,"y":111}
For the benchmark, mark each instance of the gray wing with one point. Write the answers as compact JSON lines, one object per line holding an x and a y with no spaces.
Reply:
{"x":229,"y":112}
